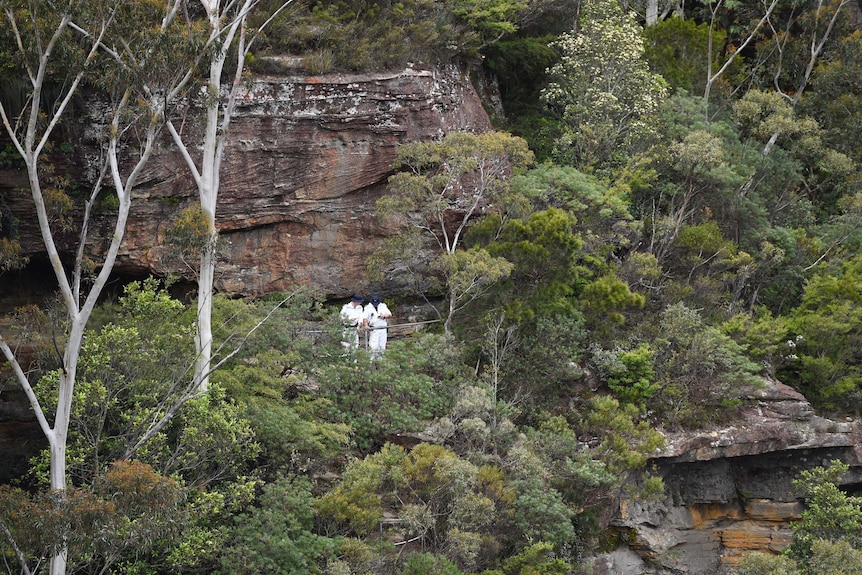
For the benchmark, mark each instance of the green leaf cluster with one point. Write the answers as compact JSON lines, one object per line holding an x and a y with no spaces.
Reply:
{"x":276,"y":534}
{"x":409,"y":379}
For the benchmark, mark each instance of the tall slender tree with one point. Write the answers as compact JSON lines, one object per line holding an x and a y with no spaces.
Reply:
{"x":126,"y":54}
{"x":228,"y":34}
{"x":62,"y":47}
{"x":715,"y":7}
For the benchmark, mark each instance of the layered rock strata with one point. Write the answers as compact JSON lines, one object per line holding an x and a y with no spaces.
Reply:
{"x":729,"y":491}
{"x":307,"y":159}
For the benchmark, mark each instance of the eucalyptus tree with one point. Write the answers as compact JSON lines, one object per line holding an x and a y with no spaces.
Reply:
{"x":228,"y":34}
{"x":714,"y":8}
{"x":123,"y":51}
{"x":441,"y":188}
{"x":797,"y":54}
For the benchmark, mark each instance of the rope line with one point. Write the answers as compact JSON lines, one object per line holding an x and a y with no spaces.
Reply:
{"x":373,"y":328}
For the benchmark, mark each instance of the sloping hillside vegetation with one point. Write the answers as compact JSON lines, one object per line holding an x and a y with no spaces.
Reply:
{"x":668,"y":213}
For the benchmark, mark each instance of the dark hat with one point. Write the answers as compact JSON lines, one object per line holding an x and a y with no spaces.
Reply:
{"x":357,"y":297}
{"x":375,"y":299}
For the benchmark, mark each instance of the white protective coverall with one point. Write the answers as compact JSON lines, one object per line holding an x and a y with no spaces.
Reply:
{"x":352,"y":317}
{"x":376,"y":313}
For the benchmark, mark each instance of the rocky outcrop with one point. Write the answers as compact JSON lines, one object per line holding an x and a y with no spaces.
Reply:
{"x":308,"y":158}
{"x":728,"y":491}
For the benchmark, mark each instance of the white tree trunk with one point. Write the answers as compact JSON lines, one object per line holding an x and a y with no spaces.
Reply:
{"x":30,"y":147}
{"x":651,"y":12}
{"x":203,"y":335}
{"x":223,"y":30}
{"x":710,"y":77}
{"x":208,"y":188}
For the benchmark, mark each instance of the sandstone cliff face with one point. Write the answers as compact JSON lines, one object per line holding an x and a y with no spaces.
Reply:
{"x":728,"y":491}
{"x":308,"y":158}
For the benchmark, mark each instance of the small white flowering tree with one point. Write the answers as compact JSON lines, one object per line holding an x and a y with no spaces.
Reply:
{"x":602,"y":88}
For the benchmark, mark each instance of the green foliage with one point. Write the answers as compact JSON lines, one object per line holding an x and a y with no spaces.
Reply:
{"x":762,"y":114}
{"x":519,"y":65}
{"x":546,"y":365}
{"x":677,"y":49}
{"x":441,"y":187}
{"x":696,"y":177}
{"x":417,"y":386}
{"x":826,"y":173}
{"x":626,"y":440}
{"x":537,"y":559}
{"x":827,"y":558}
{"x":541,"y":514}
{"x":713,"y":266}
{"x":130,"y":375}
{"x":764,"y":336}
{"x":189,"y":235}
{"x":830,"y":514}
{"x":479,"y":424}
{"x":365,"y":35}
{"x":671,"y":206}
{"x":470,"y":273}
{"x":130,"y":509}
{"x":273,"y":379}
{"x":630,"y":374}
{"x":132,"y":402}
{"x":828,"y":539}
{"x":702,"y":372}
{"x":834,"y":96}
{"x":280,"y":321}
{"x":728,"y":225}
{"x":10,"y":255}
{"x":354,"y":505}
{"x":766,"y":564}
{"x":828,"y":321}
{"x":603,"y":300}
{"x":275,"y":535}
{"x":429,"y":564}
{"x":491,"y":19}
{"x":452,"y":174}
{"x":698,"y":171}
{"x":459,"y":510}
{"x":560,"y":253}
{"x":205,"y":535}
{"x":544,"y":251}
{"x":291,"y":424}
{"x":834,"y":558}
{"x":596,"y":205}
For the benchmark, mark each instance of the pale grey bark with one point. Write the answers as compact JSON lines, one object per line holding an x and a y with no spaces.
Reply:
{"x":752,"y":35}
{"x":227,"y":23}
{"x":29,"y":136}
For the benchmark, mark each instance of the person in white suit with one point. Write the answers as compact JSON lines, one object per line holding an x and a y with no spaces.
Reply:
{"x":353,"y":320}
{"x":376,"y":314}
